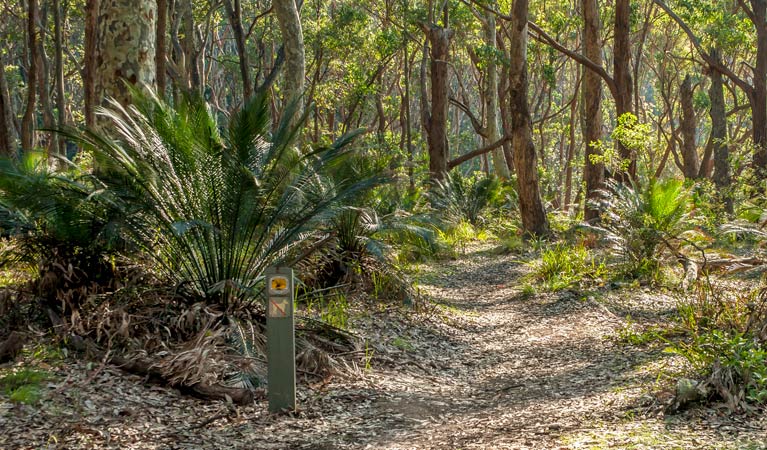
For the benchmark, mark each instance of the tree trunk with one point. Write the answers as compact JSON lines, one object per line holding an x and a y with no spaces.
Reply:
{"x":593,"y":173}
{"x":28,"y":121}
{"x":188,"y":46}
{"x":622,"y":76}
{"x":234,"y":10}
{"x":7,"y":140}
{"x":59,"y":62}
{"x":759,"y":97}
{"x":500,"y":167}
{"x":690,"y":160}
{"x":534,"y":221}
{"x":161,"y":46}
{"x":718,"y":115}
{"x":503,"y":103}
{"x":43,"y":79}
{"x":436,"y":128}
{"x":89,"y":60}
{"x":126,"y":48}
{"x":289,"y":20}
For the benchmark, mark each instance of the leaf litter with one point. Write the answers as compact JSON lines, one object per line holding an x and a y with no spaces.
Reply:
{"x":482,"y":367}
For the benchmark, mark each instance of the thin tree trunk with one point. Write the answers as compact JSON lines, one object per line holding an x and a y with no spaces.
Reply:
{"x":7,"y":141}
{"x":500,"y":167}
{"x":503,"y":103}
{"x":622,"y":76}
{"x":759,"y":96}
{"x":571,"y":149}
{"x":60,"y":99}
{"x":721,"y":177}
{"x":234,"y":10}
{"x":161,"y":46}
{"x":28,"y":121}
{"x":593,"y":172}
{"x":44,"y":82}
{"x":89,"y":60}
{"x":534,"y":221}
{"x":690,"y":160}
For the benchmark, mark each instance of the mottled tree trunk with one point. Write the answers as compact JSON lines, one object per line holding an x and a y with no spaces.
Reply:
{"x":719,"y":136}
{"x":289,"y":20}
{"x":622,"y":76}
{"x":89,"y":60}
{"x":28,"y":121}
{"x":234,"y":11}
{"x":690,"y":160}
{"x":500,"y":167}
{"x":126,"y":48}
{"x":593,"y":173}
{"x":534,"y":221}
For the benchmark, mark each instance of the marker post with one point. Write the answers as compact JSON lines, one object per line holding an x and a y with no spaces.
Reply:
{"x":280,"y":339}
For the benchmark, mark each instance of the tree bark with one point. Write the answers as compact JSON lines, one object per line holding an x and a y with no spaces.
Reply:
{"x":234,"y":10}
{"x":622,"y":76}
{"x":759,"y":95}
{"x":435,"y":121}
{"x":718,"y":115}
{"x":126,"y":48}
{"x":59,"y":62}
{"x":43,"y":79}
{"x":289,"y":20}
{"x":500,"y":167}
{"x":690,"y":160}
{"x":161,"y":46}
{"x":593,"y":173}
{"x":534,"y":221}
{"x":89,"y":60}
{"x":7,"y":140}
{"x":28,"y":121}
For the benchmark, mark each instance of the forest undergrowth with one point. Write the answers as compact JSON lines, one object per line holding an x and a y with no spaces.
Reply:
{"x":497,"y":359}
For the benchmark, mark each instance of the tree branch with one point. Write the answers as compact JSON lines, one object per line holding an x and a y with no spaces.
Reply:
{"x":577,"y":57}
{"x":711,"y":61}
{"x":480,"y":151}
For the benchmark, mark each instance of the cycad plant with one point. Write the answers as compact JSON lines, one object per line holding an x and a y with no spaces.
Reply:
{"x":458,"y":198}
{"x":63,"y":223}
{"x":637,"y":220}
{"x":215,"y":207}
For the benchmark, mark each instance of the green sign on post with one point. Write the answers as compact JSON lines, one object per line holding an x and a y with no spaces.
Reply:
{"x":280,"y":339}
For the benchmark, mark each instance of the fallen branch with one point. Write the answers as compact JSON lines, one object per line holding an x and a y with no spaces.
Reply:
{"x":146,"y":368}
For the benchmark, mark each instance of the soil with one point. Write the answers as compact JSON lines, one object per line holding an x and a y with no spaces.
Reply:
{"x":487,"y":366}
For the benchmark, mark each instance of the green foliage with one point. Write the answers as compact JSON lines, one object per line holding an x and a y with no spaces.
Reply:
{"x":637,"y":221}
{"x":24,"y":385}
{"x":335,"y":311}
{"x":63,"y":223}
{"x":564,"y":266}
{"x":459,"y":198}
{"x":727,"y":342}
{"x":213,"y":210}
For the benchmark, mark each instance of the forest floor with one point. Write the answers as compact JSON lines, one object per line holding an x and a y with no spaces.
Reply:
{"x":487,"y":366}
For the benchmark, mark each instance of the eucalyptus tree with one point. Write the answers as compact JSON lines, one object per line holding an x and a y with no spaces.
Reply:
{"x":722,"y":26}
{"x":125,"y":48}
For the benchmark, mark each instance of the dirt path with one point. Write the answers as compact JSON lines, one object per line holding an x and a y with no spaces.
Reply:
{"x":495,"y":369}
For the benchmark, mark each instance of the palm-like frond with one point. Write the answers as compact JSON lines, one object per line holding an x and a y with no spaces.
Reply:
{"x":458,"y":198}
{"x":216,"y":208}
{"x":637,"y":220}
